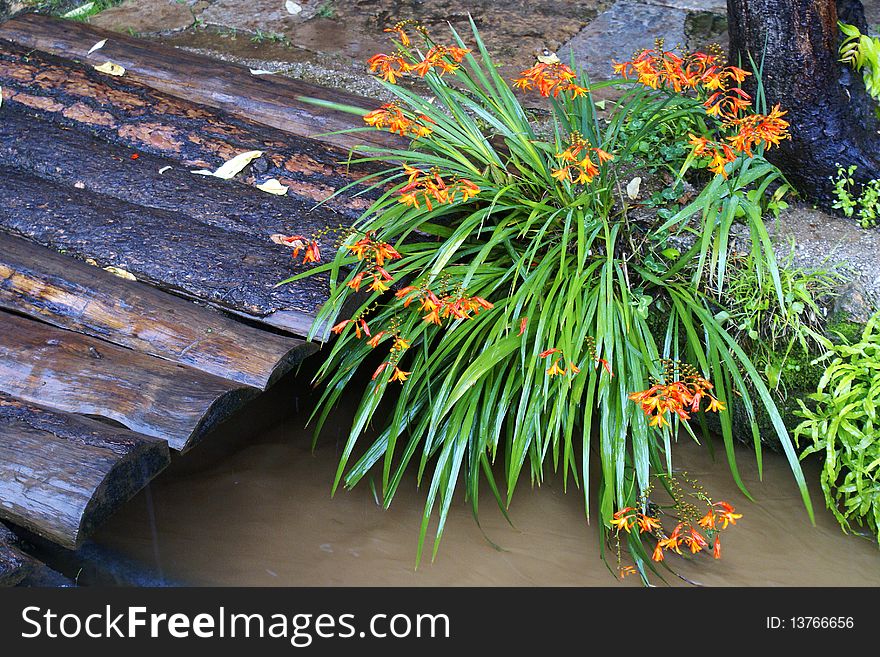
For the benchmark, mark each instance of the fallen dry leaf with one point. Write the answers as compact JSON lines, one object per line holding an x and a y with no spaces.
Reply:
{"x":110,"y":69}
{"x":97,"y":46}
{"x":164,"y":169}
{"x":117,"y":271}
{"x":231,"y":167}
{"x":261,"y":71}
{"x":295,"y":241}
{"x":632,"y":189}
{"x":272,"y":186}
{"x":293,"y":7}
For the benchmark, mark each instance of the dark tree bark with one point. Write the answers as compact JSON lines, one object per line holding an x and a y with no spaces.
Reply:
{"x":832,"y":117}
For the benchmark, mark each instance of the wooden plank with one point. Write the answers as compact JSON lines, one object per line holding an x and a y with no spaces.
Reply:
{"x":142,"y":120}
{"x":71,"y":372}
{"x":62,"y":475}
{"x":271,"y":100}
{"x":15,"y":565}
{"x":237,"y":270}
{"x":68,"y":293}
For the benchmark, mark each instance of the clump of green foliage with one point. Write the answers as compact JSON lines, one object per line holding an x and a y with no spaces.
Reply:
{"x":843,"y":424}
{"x":768,"y":329}
{"x":847,"y":201}
{"x":544,"y":313}
{"x":862,"y":52}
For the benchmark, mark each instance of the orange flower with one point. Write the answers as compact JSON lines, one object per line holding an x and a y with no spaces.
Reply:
{"x":727,"y":515}
{"x":716,"y":549}
{"x":554,"y":369}
{"x":379,"y":370}
{"x":647,"y":523}
{"x":522,"y":325}
{"x":708,"y":520}
{"x":550,"y":78}
{"x":340,"y":326}
{"x":355,"y":283}
{"x":574,"y":368}
{"x":376,"y":339}
{"x":580,"y":164}
{"x":604,"y":364}
{"x":547,"y":352}
{"x":399,"y":374}
{"x":313,"y":254}
{"x":624,"y":519}
{"x":389,"y":67}
{"x":658,"y":552}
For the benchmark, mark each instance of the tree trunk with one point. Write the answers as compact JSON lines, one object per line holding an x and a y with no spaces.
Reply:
{"x":831,"y":115}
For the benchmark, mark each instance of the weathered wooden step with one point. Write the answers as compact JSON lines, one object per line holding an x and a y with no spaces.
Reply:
{"x":68,"y":293}
{"x":71,"y":372}
{"x":15,"y":565}
{"x":272,"y":100}
{"x":62,"y":475}
{"x":237,"y":270}
{"x":124,"y":112}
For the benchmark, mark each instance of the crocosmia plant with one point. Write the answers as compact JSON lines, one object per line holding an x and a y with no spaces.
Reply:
{"x":522,"y":305}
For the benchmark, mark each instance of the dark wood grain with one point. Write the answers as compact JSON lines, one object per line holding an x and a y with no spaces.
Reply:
{"x":121,"y":111}
{"x":62,"y":475}
{"x":15,"y":565}
{"x":71,"y":372}
{"x":271,"y":100}
{"x":237,"y":269}
{"x":68,"y":293}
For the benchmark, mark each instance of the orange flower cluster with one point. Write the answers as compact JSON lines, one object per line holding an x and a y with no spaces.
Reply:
{"x":438,"y":58}
{"x":389,"y":67}
{"x":680,"y":397}
{"x":391,"y":116}
{"x":375,"y":253}
{"x":656,"y":68}
{"x":629,"y":517}
{"x":438,"y":308}
{"x":430,"y":186}
{"x":442,"y":59}
{"x":577,"y":164}
{"x":720,"y":154}
{"x":757,"y":128}
{"x":400,"y":345}
{"x":550,"y":79}
{"x":718,"y":517}
{"x":554,"y":369}
{"x":298,"y":243}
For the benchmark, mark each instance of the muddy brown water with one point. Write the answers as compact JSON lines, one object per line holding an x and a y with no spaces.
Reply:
{"x":252,"y":507}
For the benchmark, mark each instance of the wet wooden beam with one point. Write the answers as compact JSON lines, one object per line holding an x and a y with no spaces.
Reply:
{"x":62,"y":475}
{"x":74,"y":373}
{"x":121,"y":111}
{"x":15,"y":565}
{"x":271,"y":100}
{"x":68,"y":293}
{"x":237,"y":270}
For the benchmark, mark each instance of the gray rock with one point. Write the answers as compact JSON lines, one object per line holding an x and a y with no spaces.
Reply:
{"x":621,"y":31}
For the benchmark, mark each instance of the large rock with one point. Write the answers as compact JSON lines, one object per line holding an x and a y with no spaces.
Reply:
{"x":146,"y":16}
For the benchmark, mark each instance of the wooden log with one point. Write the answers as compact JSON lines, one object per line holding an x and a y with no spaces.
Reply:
{"x":15,"y":565}
{"x":237,"y":270}
{"x":68,"y":293}
{"x":71,"y":372}
{"x":78,"y":159}
{"x":121,"y":111}
{"x":271,"y":100}
{"x":62,"y":475}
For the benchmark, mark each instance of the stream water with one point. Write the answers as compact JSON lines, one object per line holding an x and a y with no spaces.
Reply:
{"x":252,"y":506}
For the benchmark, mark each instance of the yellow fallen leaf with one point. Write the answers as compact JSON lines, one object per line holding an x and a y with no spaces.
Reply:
{"x":632,"y":189}
{"x":117,"y":271}
{"x":92,"y":262}
{"x":110,"y":69}
{"x":273,"y":187}
{"x":231,"y":167}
